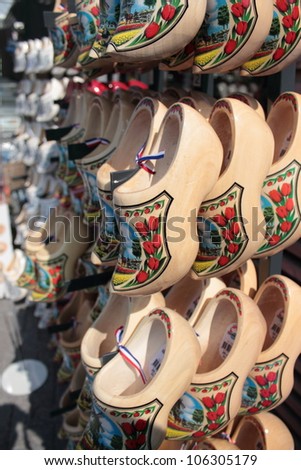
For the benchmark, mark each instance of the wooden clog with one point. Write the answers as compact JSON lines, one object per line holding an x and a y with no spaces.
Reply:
{"x":138,"y":137}
{"x":230,"y":327}
{"x":250,"y":100}
{"x":281,"y":192}
{"x":119,"y":311}
{"x":272,"y":376}
{"x":216,"y":443}
{"x":131,"y":410}
{"x":76,"y":314}
{"x":57,"y":261}
{"x":281,"y":46}
{"x":231,"y":213}
{"x":153,"y":256}
{"x":230,"y":34}
{"x":155,"y":32}
{"x":243,"y":278}
{"x":189,"y":297}
{"x":88,"y":16}
{"x":264,"y":431}
{"x":200,"y":101}
{"x":89,"y":165}
{"x":181,"y":61}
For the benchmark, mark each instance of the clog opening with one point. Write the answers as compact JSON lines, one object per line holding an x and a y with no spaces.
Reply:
{"x":168,"y":141}
{"x":281,"y":121}
{"x":217,"y":333}
{"x":136,"y":136}
{"x":249,"y":436}
{"x":93,"y":124}
{"x":222,"y":126}
{"x":148,"y":346}
{"x":271,"y":304}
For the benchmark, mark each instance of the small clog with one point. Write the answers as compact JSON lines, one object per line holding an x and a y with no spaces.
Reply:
{"x":230,"y":216}
{"x":154,"y":254}
{"x":281,"y":191}
{"x":138,"y":138}
{"x":134,"y":391}
{"x":157,"y":32}
{"x":282,"y":44}
{"x":230,"y":34}
{"x":271,"y":379}
{"x":230,"y":327}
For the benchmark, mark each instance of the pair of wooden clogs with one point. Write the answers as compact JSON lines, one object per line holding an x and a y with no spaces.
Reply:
{"x":135,"y":404}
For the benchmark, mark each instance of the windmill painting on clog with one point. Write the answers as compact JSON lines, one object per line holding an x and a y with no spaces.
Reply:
{"x":231,"y":33}
{"x":228,"y":215}
{"x":281,"y":193}
{"x":282,"y":45}
{"x":154,"y":29}
{"x":88,"y":15}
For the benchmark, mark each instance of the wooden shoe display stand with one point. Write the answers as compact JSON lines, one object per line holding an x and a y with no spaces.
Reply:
{"x":172,"y":200}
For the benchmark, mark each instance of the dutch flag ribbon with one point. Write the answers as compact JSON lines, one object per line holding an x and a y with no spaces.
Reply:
{"x":128,"y":356}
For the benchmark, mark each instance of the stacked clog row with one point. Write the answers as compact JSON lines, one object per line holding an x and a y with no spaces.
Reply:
{"x":209,"y":36}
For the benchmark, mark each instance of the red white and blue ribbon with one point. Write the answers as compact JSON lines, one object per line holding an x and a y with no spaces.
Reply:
{"x":140,"y":158}
{"x":127,"y":355}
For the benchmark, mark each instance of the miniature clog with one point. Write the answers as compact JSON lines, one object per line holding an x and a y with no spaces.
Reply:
{"x":132,"y":393}
{"x":230,"y":216}
{"x":230,"y":327}
{"x":154,"y":254}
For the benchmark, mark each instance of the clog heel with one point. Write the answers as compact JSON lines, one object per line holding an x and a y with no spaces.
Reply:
{"x":154,"y":255}
{"x":231,"y":212}
{"x":137,"y":139}
{"x":132,"y":393}
{"x":272,"y":376}
{"x":230,"y":327}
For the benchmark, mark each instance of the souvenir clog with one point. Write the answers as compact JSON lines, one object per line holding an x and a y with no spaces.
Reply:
{"x":132,"y":397}
{"x":119,"y":311}
{"x":281,"y":46}
{"x":230,"y":327}
{"x":155,"y":32}
{"x":230,"y":217}
{"x":281,"y":191}
{"x":264,"y":431}
{"x":137,"y":139}
{"x":272,"y":376}
{"x":154,"y":254}
{"x":230,"y":34}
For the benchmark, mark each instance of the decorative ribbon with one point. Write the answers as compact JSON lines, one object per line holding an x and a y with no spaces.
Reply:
{"x":97,"y":140}
{"x":140,"y":158}
{"x":128,"y":356}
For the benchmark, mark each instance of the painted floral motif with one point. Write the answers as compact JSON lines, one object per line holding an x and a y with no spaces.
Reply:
{"x":183,"y":59}
{"x":143,"y":253}
{"x":280,"y":285}
{"x":107,"y":245}
{"x":50,"y":284}
{"x":110,"y":429}
{"x":28,"y":277}
{"x":165,"y":317}
{"x":283,"y":37}
{"x":202,"y":411}
{"x":88,"y":15}
{"x":233,"y":297}
{"x":144,"y":24}
{"x":262,"y":389}
{"x":280,"y":206}
{"x":227,"y":27}
{"x":222,"y":234}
